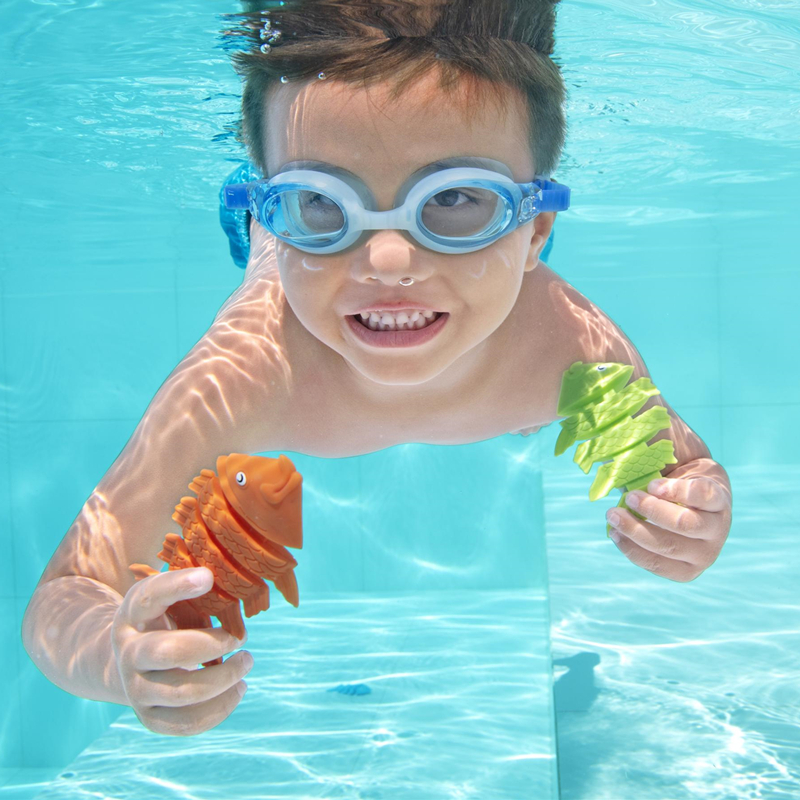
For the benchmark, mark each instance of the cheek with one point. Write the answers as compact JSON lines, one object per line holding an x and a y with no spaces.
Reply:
{"x":308,"y":285}
{"x":496,"y":264}
{"x":506,"y":263}
{"x":478,"y":270}
{"x":295,"y":264}
{"x":303,"y":276}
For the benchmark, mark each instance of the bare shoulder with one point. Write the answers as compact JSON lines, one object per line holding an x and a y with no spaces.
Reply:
{"x":581,"y":330}
{"x":590,"y":335}
{"x":213,"y":403}
{"x":249,"y":335}
{"x":563,"y":326}
{"x":586,"y":333}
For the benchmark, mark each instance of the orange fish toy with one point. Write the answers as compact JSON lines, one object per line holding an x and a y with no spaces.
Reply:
{"x":239,"y":525}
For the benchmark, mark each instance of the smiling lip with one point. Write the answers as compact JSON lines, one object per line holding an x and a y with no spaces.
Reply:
{"x":397,"y":338}
{"x":396,"y":306}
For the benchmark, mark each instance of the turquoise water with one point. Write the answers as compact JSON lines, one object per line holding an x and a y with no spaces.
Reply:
{"x":516,"y":653}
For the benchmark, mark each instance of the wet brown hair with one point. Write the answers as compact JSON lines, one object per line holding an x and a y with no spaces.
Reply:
{"x":484,"y":44}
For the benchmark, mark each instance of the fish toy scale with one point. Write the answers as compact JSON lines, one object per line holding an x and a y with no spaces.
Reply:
{"x":238,"y":526}
{"x":598,"y":406}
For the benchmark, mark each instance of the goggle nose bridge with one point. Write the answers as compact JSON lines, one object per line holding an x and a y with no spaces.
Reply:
{"x":396,"y":219}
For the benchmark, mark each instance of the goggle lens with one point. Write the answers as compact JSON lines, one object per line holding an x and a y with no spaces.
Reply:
{"x":461,"y":211}
{"x":302,"y":214}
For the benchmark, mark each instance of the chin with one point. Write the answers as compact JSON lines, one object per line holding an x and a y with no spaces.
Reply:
{"x":408,"y":374}
{"x":404,"y":376}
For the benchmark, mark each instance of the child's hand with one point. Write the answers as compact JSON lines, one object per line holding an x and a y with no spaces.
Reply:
{"x":678,"y":542}
{"x":158,"y":667}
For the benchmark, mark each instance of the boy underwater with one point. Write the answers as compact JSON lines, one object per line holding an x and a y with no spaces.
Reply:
{"x":437,"y":324}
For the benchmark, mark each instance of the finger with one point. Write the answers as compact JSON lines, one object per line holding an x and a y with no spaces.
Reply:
{"x":151,"y":597}
{"x":674,"y":570}
{"x":177,"y":688}
{"x":670,"y":516}
{"x":190,"y":721}
{"x":700,"y":493}
{"x":185,"y":649}
{"x":659,"y":541}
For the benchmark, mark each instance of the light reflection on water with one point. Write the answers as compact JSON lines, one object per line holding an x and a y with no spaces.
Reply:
{"x":459,"y":705}
{"x":678,"y":690}
{"x":156,"y":89}
{"x":683,"y":690}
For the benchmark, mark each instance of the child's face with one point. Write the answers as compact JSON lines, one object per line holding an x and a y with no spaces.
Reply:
{"x":356,"y":129}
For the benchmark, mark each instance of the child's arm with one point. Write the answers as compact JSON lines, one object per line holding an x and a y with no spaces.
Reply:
{"x":198,"y":413}
{"x":679,"y":533}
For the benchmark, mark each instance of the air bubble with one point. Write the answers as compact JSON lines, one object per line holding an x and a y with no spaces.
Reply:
{"x":322,"y":76}
{"x":265,"y":48}
{"x":284,"y":79}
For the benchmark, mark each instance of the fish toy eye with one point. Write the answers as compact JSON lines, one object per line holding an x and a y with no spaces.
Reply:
{"x":241,"y":479}
{"x":600,"y":367}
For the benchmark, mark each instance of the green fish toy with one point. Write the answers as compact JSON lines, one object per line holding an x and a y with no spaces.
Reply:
{"x":599,"y":407}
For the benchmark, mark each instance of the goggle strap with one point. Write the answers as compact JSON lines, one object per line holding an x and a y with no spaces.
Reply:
{"x":235,"y":195}
{"x":555,"y":196}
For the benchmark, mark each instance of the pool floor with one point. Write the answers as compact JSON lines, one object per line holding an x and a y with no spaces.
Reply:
{"x":670,"y":691}
{"x":661,"y":691}
{"x":457,"y":703}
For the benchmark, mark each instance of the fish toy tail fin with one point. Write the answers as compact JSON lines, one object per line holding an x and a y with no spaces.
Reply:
{"x":286,"y":584}
{"x":257,"y":601}
{"x":185,"y":510}
{"x":231,"y":619}
{"x":199,"y":481}
{"x":566,"y":438}
{"x":175,"y":552}
{"x":142,"y":571}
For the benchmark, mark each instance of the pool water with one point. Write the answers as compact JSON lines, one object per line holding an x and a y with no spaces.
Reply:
{"x":498,"y":646}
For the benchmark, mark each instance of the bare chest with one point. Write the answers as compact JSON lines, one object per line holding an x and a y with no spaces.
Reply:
{"x":332,"y":430}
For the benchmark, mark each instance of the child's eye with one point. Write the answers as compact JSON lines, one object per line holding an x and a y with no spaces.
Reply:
{"x":241,"y":479}
{"x":447,"y":198}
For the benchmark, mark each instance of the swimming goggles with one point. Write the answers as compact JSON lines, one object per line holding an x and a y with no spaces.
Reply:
{"x":444,"y":207}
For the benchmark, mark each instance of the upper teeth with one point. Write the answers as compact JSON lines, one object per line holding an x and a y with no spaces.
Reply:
{"x":417,"y":318}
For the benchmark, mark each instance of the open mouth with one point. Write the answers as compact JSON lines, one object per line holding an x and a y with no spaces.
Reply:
{"x":369,"y":331}
{"x":417,"y":321}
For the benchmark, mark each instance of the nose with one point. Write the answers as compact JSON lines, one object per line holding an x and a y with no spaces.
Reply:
{"x":389,"y":256}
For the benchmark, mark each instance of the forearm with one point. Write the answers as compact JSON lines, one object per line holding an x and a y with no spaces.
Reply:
{"x":692,"y":453}
{"x":705,"y":467}
{"x":66,"y":631}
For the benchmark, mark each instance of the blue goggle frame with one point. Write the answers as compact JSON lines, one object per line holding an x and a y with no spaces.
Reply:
{"x":521,"y":202}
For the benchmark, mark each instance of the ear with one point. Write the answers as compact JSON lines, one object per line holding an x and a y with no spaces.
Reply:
{"x":542,"y":226}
